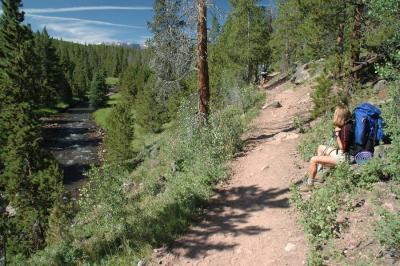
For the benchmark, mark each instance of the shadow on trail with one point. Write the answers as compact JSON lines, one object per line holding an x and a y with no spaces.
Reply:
{"x":228,"y":214}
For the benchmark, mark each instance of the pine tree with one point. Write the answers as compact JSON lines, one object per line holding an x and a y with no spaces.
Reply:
{"x":17,"y":58}
{"x":29,"y":180}
{"x":243,"y":44}
{"x":119,"y":134}
{"x":150,"y":115}
{"x":98,"y":91}
{"x":53,"y":83}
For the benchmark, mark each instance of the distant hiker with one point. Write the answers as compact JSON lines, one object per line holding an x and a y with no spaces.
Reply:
{"x":331,"y":156}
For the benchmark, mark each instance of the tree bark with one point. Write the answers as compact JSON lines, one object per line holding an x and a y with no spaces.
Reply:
{"x":356,"y":36}
{"x":202,"y":61}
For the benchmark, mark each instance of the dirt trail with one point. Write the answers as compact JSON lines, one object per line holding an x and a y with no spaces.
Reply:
{"x":249,"y":220}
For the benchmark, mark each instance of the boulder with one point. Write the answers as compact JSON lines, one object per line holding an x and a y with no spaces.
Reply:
{"x":301,"y":75}
{"x":381,"y":151}
{"x":381,"y":85}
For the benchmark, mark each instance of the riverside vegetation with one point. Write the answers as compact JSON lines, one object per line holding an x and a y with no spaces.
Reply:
{"x":161,"y":159}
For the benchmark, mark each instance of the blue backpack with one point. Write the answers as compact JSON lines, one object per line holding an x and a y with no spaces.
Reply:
{"x":368,"y":127}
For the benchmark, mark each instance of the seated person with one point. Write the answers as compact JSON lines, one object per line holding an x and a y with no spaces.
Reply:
{"x":330,"y":156}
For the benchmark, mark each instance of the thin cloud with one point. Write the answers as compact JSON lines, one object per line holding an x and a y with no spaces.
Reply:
{"x":96,"y":22}
{"x":85,"y":8}
{"x":84,"y":31}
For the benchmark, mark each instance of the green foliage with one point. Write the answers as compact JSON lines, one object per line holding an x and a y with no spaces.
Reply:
{"x":150,"y":113}
{"x":323,"y":98}
{"x":98,"y":91}
{"x":119,"y":133}
{"x":388,"y":231}
{"x":30,"y":182}
{"x":122,"y":215}
{"x":133,"y":80}
{"x":319,"y":212}
{"x":53,"y":83}
{"x":371,"y":172}
{"x":110,"y":81}
{"x":101,"y":114}
{"x":242,"y":46}
{"x":391,"y":114}
{"x":298,"y":123}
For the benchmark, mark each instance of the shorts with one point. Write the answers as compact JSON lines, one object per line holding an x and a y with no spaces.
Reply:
{"x":338,"y":155}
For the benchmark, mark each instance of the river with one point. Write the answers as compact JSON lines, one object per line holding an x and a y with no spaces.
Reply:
{"x":73,"y":138}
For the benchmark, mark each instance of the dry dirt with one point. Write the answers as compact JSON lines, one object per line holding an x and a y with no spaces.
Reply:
{"x":249,"y":220}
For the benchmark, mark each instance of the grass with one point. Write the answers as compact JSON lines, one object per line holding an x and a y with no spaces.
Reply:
{"x":100,"y":116}
{"x":48,"y":111}
{"x":112,"y":81}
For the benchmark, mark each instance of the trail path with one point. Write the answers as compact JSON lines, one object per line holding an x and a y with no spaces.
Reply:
{"x":249,"y":220}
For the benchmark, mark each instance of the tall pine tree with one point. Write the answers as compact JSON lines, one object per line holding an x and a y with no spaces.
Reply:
{"x":30,"y":181}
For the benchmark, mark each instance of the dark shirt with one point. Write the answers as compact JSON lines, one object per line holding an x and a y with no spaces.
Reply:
{"x":346,"y":136}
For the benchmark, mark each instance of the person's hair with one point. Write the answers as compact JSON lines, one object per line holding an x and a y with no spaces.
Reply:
{"x":342,"y":114}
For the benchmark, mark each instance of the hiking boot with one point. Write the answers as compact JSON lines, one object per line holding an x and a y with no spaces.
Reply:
{"x":306,"y":188}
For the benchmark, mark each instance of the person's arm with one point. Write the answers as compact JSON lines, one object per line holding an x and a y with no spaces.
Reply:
{"x":339,"y":141}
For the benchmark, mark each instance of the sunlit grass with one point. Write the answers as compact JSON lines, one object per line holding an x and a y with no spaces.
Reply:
{"x":48,"y":111}
{"x":100,"y":116}
{"x":112,"y":81}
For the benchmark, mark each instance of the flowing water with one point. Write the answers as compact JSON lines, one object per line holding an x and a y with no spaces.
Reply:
{"x":73,"y":139}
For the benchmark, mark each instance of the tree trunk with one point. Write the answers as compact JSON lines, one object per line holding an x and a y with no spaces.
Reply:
{"x":202,"y":62}
{"x":356,"y":36}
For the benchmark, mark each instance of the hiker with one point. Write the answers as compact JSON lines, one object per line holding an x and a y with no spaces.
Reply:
{"x":331,"y":156}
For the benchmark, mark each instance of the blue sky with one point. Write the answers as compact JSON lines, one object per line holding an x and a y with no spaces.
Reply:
{"x":95,"y":21}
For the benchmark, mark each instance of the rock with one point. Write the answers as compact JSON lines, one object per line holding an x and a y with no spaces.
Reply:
{"x":265,"y":167}
{"x":290,"y":247}
{"x":301,"y":75}
{"x":381,"y":151}
{"x":128,"y":186}
{"x":11,"y":211}
{"x":389,"y":206}
{"x":141,"y":263}
{"x":285,"y":136}
{"x":274,"y":104}
{"x":381,"y":85}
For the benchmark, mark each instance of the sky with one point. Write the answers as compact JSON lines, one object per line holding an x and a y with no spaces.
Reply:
{"x":96,"y":21}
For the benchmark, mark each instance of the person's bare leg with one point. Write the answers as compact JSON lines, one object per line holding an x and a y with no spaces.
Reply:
{"x":320,"y":150}
{"x":323,"y":160}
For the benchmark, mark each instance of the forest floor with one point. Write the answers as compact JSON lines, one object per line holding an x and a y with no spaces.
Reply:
{"x":249,"y":220}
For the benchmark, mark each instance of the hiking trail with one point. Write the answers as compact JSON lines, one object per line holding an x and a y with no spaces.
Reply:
{"x":249,"y":220}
